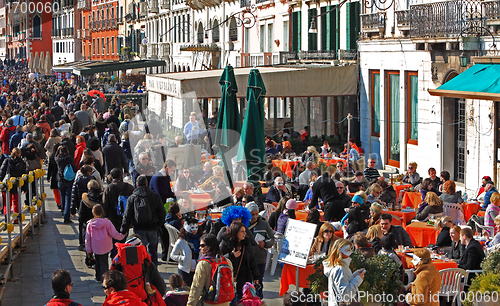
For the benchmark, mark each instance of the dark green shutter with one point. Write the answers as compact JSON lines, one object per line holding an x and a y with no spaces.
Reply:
{"x":295,"y":46}
{"x":352,"y":25}
{"x":312,"y":38}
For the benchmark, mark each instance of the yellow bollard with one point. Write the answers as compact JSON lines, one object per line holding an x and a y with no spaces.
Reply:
{"x":31,"y":178}
{"x":21,"y":182}
{"x":32,"y":209}
{"x":10,"y":228}
{"x":23,"y":217}
{"x":38,"y":203}
{"x":44,"y":196}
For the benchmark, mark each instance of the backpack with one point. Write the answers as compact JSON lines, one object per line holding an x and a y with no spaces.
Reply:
{"x":69,"y":174}
{"x":122,"y":205}
{"x":126,"y":126}
{"x":133,"y":261}
{"x":221,"y":288}
{"x":143,"y":213}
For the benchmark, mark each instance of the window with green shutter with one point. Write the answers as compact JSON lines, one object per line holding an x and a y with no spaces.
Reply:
{"x":312,"y":37}
{"x":296,"y":31}
{"x":352,"y":24}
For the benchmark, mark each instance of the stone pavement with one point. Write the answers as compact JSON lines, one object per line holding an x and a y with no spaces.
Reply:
{"x":55,"y":246}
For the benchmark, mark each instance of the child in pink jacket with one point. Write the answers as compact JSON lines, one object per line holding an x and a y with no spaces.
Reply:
{"x":98,"y":240}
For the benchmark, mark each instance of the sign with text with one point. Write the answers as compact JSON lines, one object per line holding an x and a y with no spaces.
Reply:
{"x":297,"y":242}
{"x":164,"y":86}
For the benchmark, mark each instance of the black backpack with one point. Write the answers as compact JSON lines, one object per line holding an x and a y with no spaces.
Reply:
{"x":143,"y":213}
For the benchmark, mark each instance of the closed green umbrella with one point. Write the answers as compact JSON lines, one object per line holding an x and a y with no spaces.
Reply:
{"x":252,"y":149}
{"x":228,"y":130}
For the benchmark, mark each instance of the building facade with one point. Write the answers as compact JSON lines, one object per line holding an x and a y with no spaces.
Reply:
{"x":66,"y":44}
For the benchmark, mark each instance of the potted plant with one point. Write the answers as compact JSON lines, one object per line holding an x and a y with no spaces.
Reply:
{"x":381,"y":277}
{"x":485,"y":288}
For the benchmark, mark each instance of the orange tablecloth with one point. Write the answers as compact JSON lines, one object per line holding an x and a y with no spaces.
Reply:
{"x":200,"y":200}
{"x":439,"y":263}
{"x":332,"y":161}
{"x":398,"y":188}
{"x":288,"y":275}
{"x":470,"y":209}
{"x":481,"y":213}
{"x":286,"y":166}
{"x":421,"y":234}
{"x":405,"y":217}
{"x":411,"y":199}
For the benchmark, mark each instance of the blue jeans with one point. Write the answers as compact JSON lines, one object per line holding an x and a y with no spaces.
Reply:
{"x":130,"y":164}
{"x":150,"y":241}
{"x":65,"y":190}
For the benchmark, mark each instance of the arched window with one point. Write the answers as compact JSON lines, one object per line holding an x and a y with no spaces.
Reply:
{"x":200,"y":33}
{"x":37,"y":26}
{"x":233,"y":30}
{"x":215,"y":31}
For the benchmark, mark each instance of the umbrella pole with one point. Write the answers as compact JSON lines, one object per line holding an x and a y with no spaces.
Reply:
{"x":226,"y":168}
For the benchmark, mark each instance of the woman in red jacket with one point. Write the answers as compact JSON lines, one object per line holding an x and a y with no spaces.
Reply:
{"x":42,"y":123}
{"x":80,"y":146}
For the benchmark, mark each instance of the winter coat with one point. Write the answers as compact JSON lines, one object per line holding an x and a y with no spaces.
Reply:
{"x":4,"y":137}
{"x":79,"y":152}
{"x":184,"y":184}
{"x":60,"y":299}
{"x":16,"y":167}
{"x":427,"y":284}
{"x":318,"y":245}
{"x":71,"y":146}
{"x":176,"y":298}
{"x":201,"y":283}
{"x":126,"y":149}
{"x":249,"y":269}
{"x":99,"y":237}
{"x":174,"y":221}
{"x":89,"y":200}
{"x":262,"y":227}
{"x":147,"y":170}
{"x":95,"y":174}
{"x":15,"y":140}
{"x":110,"y":202}
{"x":183,"y":255}
{"x":152,"y":199}
{"x":51,"y":143}
{"x":114,"y":157}
{"x":62,"y":161}
{"x":427,"y":210}
{"x":160,"y":183}
{"x":76,"y":126}
{"x":341,"y":282}
{"x":123,"y":298}
{"x":105,"y":137}
{"x":79,"y":187}
{"x":45,"y":128}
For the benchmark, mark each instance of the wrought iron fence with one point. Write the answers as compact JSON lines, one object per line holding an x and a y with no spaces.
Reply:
{"x":348,"y":55}
{"x":373,"y":21}
{"x":307,"y":55}
{"x":491,"y":9}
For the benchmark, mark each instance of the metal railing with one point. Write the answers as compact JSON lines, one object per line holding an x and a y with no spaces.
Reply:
{"x":403,"y":18}
{"x":55,"y":32}
{"x":163,"y":50}
{"x":307,"y":56}
{"x":152,"y":51}
{"x":491,"y":9}
{"x":348,"y":55}
{"x":83,"y":5}
{"x":438,"y":19}
{"x":373,"y":21}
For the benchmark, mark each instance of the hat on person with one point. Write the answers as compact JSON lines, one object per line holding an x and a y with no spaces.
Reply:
{"x":376,"y":208}
{"x":292,"y":204}
{"x":487,"y":178}
{"x":346,"y":250}
{"x":358,"y":199}
{"x":251,"y":206}
{"x":133,"y":241}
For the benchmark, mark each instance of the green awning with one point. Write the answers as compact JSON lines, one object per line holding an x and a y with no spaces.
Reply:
{"x":481,"y":81}
{"x":116,"y":66}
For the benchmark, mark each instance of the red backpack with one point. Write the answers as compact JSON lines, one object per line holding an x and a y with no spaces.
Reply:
{"x":221,"y":285}
{"x":133,"y":261}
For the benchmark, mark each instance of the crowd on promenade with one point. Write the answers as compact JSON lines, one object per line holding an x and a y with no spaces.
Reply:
{"x":112,"y":170}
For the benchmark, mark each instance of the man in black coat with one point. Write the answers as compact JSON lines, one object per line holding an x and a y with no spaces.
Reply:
{"x":147,"y":213}
{"x":346,"y":199}
{"x":326,"y":189}
{"x":473,"y":254}
{"x":76,"y":124}
{"x":113,"y":155}
{"x":68,"y":143}
{"x":114,"y":190}
{"x":57,"y":111}
{"x":402,"y":237}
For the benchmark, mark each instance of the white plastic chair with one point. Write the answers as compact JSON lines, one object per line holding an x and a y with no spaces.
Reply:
{"x":453,"y":210}
{"x":468,"y":274}
{"x":270,"y":208}
{"x":450,"y":284}
{"x":273,"y":253}
{"x":173,"y":234}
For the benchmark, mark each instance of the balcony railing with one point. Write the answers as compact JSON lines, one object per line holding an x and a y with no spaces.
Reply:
{"x":153,"y":6}
{"x":373,"y":22}
{"x":163,"y":51}
{"x":438,"y":19}
{"x":55,"y":32}
{"x":165,"y":4}
{"x":348,"y":55}
{"x":491,"y":10}
{"x":294,"y":56}
{"x":152,"y":51}
{"x":84,"y":5}
{"x":244,"y":3}
{"x":403,"y":18}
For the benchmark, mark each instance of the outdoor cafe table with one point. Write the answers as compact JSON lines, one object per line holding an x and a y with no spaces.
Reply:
{"x":286,"y":166}
{"x":200,"y":200}
{"x":421,"y":234}
{"x":288,"y":276}
{"x":411,"y":199}
{"x":404,"y":216}
{"x":439,"y":263}
{"x":398,"y":188}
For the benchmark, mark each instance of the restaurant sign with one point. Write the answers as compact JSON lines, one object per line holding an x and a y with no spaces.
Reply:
{"x":164,"y":86}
